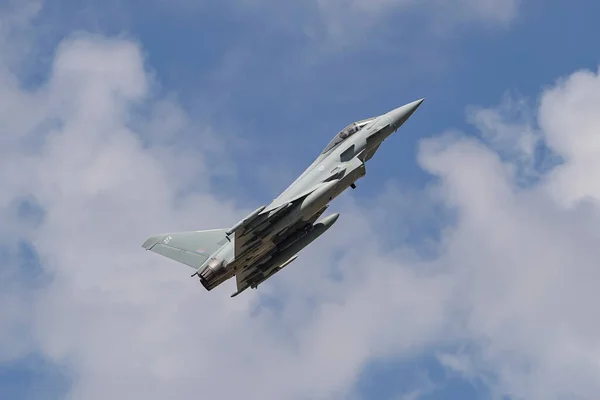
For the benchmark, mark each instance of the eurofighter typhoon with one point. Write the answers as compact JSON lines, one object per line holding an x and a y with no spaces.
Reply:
{"x":270,"y":238}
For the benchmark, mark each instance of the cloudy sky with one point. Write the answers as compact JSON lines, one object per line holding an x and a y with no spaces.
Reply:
{"x":465,"y":265}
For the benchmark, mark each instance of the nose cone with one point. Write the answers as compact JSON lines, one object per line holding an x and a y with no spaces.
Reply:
{"x":399,"y":115}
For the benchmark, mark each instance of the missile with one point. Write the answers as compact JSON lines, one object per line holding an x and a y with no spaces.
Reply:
{"x":318,"y":229}
{"x":285,"y":264}
{"x":246,"y":220}
{"x":274,"y":271}
{"x":270,"y":274}
{"x":311,"y":204}
{"x":273,"y":217}
{"x":282,"y":259}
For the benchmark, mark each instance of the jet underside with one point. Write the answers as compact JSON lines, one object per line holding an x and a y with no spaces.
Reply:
{"x":271,"y":237}
{"x":261,"y":244}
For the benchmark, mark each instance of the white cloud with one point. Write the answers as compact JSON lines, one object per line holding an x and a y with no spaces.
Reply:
{"x":515,"y":277}
{"x":347,"y":20}
{"x":335,"y":24}
{"x":16,"y":30}
{"x":130,"y":324}
{"x":569,"y":117}
{"x":490,"y":11}
{"x":526,"y":259}
{"x":501,"y":11}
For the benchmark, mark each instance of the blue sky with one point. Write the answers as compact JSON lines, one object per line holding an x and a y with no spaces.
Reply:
{"x":242,"y":96}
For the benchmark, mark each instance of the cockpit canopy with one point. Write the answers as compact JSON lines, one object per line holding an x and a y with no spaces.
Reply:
{"x":346,"y":133}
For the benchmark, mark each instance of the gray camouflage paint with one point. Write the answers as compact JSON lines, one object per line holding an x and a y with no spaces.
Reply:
{"x":271,"y":237}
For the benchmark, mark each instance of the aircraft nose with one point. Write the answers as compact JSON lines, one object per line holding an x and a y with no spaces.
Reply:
{"x":399,"y":115}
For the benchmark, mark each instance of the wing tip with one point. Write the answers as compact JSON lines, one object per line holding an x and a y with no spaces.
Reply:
{"x":152,"y":241}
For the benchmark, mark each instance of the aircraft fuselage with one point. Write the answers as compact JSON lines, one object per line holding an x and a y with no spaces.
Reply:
{"x":271,"y":237}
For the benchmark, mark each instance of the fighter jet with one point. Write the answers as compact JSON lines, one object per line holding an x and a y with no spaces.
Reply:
{"x":270,"y":238}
